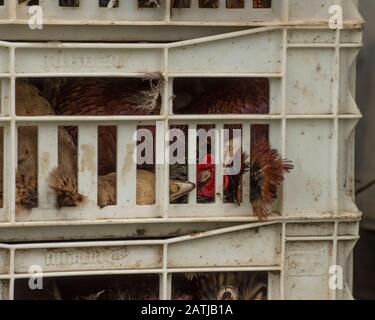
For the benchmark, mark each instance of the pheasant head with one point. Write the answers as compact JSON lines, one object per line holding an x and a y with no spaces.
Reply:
{"x":179,"y":188}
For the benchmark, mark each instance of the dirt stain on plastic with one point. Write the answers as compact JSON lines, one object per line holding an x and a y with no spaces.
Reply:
{"x":88,"y":158}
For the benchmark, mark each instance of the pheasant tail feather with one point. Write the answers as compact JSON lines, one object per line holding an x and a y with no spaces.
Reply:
{"x":267,"y":174}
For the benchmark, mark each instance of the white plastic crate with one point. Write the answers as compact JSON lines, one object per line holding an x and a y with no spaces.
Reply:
{"x":311,"y":120}
{"x":300,"y":259}
{"x":300,"y":12}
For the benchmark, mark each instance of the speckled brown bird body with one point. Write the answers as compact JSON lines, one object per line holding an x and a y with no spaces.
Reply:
{"x":227,"y":286}
{"x":239,"y":96}
{"x":104,"y":97}
{"x":63,"y":180}
{"x":87,"y":96}
{"x":30,"y":102}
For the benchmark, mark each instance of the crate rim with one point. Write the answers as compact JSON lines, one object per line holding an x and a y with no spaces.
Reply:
{"x":165,"y":16}
{"x":335,"y":245}
{"x":342,"y":217}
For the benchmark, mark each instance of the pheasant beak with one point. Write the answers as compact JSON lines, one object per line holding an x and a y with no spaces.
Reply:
{"x":178,"y":189}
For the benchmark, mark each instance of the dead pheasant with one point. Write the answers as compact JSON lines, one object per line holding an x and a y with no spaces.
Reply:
{"x":145,"y":188}
{"x":95,"y":97}
{"x":223,"y":96}
{"x":29,"y":102}
{"x":63,"y":180}
{"x":106,"y":96}
{"x":100,"y":97}
{"x":228,"y":286}
{"x":267,"y":168}
{"x":84,"y":96}
{"x":136,"y":287}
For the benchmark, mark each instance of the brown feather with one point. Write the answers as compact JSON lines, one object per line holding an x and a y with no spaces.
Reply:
{"x":65,"y":186}
{"x":63,"y":180}
{"x":267,"y":170}
{"x":102,"y":96}
{"x":227,"y":286}
{"x":239,"y":96}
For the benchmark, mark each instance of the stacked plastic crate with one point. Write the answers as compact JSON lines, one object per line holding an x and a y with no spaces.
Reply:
{"x":308,"y":58}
